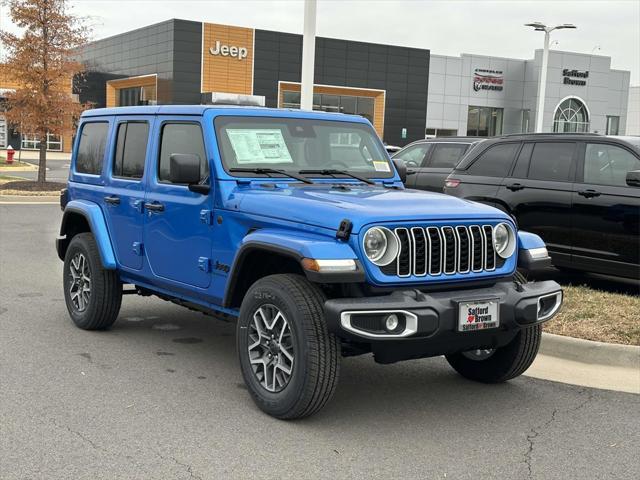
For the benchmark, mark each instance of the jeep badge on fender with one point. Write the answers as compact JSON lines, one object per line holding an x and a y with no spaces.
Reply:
{"x":322,"y":252}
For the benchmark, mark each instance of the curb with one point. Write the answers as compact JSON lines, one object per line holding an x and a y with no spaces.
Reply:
{"x":590,"y":352}
{"x":29,"y":199}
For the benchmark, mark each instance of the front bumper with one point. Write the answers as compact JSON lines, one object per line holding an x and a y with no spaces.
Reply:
{"x":436,"y":317}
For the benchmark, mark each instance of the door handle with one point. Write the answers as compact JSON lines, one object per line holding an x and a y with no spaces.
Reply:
{"x":154,"y":207}
{"x":515,"y":186}
{"x":411,"y":171}
{"x":112,"y":200}
{"x":589,"y":193}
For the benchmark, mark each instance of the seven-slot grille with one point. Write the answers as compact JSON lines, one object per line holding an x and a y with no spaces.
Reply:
{"x":443,"y":250}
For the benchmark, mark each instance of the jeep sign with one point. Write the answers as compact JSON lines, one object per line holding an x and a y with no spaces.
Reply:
{"x":228,"y":51}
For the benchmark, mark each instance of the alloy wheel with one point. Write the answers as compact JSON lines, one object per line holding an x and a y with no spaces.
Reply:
{"x":271,"y":351}
{"x":80,"y":282}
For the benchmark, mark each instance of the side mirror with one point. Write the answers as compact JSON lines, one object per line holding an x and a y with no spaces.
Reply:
{"x":633,"y":178}
{"x":401,"y":168}
{"x":184,"y":168}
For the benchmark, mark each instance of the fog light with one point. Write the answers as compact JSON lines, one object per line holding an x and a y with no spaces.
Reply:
{"x":391,"y":322}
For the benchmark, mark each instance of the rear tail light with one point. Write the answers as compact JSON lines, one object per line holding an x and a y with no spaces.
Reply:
{"x":451,"y":183}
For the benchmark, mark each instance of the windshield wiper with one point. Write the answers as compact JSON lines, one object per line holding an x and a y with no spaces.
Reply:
{"x":267,"y":171}
{"x":332,"y":171}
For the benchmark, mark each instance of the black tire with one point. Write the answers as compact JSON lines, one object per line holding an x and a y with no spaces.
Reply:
{"x":505,"y":363}
{"x":316,"y":352}
{"x":102,"y":305}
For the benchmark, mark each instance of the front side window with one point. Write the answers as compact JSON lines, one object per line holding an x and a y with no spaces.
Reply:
{"x":414,"y":155}
{"x":551,"y":161}
{"x":294,"y":144}
{"x":447,"y":155}
{"x":181,"y":138}
{"x":93,"y":140}
{"x":131,"y":149}
{"x":495,"y":161}
{"x":608,"y":164}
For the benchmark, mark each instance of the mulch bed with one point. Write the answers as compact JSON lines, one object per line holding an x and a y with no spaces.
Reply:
{"x":31,"y":186}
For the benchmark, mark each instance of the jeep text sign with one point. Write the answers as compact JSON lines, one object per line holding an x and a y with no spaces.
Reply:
{"x":484,"y":79}
{"x":228,"y":51}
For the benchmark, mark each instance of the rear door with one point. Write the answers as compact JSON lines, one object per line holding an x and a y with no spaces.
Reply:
{"x":414,"y":157}
{"x":538,"y":192}
{"x":177,"y":229}
{"x":481,"y":181}
{"x":438,"y":164}
{"x":124,"y":190}
{"x":606,"y":211}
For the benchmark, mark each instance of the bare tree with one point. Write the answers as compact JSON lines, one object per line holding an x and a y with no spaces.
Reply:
{"x":42,"y":61}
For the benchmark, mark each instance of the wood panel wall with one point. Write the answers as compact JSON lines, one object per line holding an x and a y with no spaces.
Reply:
{"x":227,"y":74}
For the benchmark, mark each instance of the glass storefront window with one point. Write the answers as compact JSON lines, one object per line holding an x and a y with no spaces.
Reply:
{"x":613,"y":125}
{"x":325,"y":102}
{"x":3,"y":132}
{"x":484,"y":121}
{"x":137,"y":96}
{"x":571,"y":116}
{"x":31,"y":142}
{"x":526,"y":118}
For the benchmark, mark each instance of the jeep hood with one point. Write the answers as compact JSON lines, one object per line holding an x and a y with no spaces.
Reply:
{"x":326,"y":206}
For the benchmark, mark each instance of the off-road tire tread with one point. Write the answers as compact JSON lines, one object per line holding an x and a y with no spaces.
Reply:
{"x":106,"y":289}
{"x":323,"y":347}
{"x":526,"y":343}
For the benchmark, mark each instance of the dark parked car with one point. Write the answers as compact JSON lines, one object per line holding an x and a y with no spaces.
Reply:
{"x":429,"y":161}
{"x":579,"y":192}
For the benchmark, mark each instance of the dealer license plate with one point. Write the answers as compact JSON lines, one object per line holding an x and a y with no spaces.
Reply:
{"x":474,"y":316}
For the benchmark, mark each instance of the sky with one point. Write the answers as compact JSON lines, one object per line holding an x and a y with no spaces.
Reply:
{"x":446,"y":27}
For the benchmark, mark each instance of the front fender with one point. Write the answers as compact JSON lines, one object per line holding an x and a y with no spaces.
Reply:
{"x":295,"y":245}
{"x":95,"y":218}
{"x":532,"y":252}
{"x":300,"y":244}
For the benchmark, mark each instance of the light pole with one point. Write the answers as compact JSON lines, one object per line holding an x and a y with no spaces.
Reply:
{"x":308,"y":55}
{"x":542,"y":86}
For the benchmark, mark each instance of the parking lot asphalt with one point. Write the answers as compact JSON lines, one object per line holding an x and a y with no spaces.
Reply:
{"x":161,"y":396}
{"x":57,"y":170}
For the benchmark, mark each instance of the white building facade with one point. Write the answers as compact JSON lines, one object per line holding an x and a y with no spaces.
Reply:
{"x":633,"y":112}
{"x":479,"y":95}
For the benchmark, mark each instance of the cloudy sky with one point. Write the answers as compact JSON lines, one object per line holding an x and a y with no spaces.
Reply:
{"x":447,"y":27}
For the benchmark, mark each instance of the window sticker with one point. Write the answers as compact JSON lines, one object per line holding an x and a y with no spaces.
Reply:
{"x":259,"y":146}
{"x":381,"y":166}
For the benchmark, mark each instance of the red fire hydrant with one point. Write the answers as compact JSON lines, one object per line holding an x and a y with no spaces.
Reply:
{"x":10,"y":153}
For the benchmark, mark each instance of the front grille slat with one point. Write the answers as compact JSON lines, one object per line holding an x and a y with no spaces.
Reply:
{"x":444,"y":250}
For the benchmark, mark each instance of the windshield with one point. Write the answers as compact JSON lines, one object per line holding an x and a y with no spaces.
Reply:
{"x":294,"y":144}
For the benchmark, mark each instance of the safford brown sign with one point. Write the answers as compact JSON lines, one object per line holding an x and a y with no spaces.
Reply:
{"x":575,"y":77}
{"x":488,"y":80}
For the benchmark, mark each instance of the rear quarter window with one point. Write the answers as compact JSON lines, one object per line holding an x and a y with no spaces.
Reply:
{"x":91,"y":148}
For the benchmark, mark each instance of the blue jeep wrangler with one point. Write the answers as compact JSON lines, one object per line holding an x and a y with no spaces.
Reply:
{"x":297,"y":226}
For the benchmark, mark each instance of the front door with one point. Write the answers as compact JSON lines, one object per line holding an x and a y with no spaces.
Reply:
{"x":413,"y":157}
{"x":124,"y":190}
{"x":177,"y":230}
{"x":606,"y":211}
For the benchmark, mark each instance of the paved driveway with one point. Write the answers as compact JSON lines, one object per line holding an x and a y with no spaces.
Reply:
{"x":160,"y":396}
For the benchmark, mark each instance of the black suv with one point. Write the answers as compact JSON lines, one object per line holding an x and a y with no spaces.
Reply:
{"x":429,"y":161}
{"x":579,"y":192}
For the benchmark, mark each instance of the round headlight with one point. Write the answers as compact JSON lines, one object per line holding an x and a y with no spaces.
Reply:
{"x":504,"y":240}
{"x":380,"y":246}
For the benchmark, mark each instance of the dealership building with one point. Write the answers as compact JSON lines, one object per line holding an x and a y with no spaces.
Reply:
{"x":405,"y":92}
